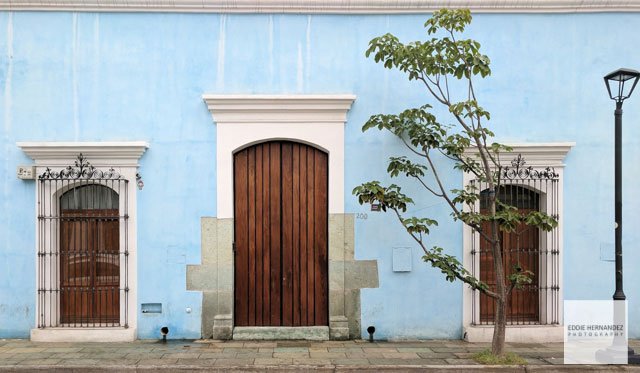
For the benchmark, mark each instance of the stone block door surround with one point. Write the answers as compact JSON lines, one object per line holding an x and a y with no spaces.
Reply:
{"x":243,"y":120}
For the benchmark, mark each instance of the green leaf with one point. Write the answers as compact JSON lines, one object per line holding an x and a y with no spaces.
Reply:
{"x":520,"y":276}
{"x":403,"y":165}
{"x":451,"y":267}
{"x":388,"y":197}
{"x":418,"y":225}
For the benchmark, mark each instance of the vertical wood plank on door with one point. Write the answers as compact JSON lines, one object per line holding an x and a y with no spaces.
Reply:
{"x":296,"y":233}
{"x":107,"y":269}
{"x":320,"y":188}
{"x":487,"y":273}
{"x":251,"y":270}
{"x":304,"y":189}
{"x":241,"y":239}
{"x":266,"y":235}
{"x":275,"y":205}
{"x":259,"y":266}
{"x":287,"y":235}
{"x":310,"y":236}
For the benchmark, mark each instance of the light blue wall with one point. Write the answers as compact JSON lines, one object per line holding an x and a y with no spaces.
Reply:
{"x":95,"y":77}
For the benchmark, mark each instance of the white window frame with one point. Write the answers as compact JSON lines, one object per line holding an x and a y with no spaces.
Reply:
{"x":539,"y":156}
{"x":123,"y":157}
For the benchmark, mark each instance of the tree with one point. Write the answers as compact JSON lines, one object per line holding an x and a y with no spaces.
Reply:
{"x":467,"y":143}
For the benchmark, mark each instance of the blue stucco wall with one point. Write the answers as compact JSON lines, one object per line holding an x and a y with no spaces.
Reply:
{"x":97,"y":77}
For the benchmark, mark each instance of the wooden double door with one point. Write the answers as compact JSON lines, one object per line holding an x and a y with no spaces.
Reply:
{"x":281,"y":238}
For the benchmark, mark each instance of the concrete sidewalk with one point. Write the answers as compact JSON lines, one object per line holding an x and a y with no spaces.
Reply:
{"x":184,"y":356}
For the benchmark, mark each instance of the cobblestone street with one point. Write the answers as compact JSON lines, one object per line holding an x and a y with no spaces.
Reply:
{"x":183,"y":356}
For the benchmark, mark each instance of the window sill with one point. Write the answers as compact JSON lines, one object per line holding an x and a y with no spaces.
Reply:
{"x":109,"y":334}
{"x":517,"y":333}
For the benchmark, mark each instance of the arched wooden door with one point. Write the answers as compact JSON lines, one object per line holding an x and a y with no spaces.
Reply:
{"x":281,"y":238}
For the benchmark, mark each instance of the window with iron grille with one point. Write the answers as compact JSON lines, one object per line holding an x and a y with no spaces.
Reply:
{"x":83,"y":254}
{"x":526,"y":248}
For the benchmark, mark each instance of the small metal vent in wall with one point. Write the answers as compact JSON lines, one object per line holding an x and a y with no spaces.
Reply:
{"x":151,"y":307}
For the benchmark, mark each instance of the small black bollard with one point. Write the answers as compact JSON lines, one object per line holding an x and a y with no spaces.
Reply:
{"x":371,"y":330}
{"x":164,"y":331}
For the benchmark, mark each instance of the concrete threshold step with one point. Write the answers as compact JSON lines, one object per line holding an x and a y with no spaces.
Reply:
{"x":275,"y":333}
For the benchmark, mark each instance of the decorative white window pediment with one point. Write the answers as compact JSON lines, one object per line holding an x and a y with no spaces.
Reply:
{"x":105,"y":170}
{"x":537,"y":171}
{"x":55,"y":153}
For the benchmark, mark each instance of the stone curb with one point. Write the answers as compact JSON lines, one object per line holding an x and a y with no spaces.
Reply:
{"x":323,"y":368}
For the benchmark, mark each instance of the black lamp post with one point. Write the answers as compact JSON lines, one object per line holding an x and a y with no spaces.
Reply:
{"x":620,"y":85}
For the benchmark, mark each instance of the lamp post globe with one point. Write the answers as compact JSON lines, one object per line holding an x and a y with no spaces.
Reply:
{"x":621,"y":83}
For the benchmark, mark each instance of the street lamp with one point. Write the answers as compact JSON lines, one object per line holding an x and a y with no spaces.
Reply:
{"x":620,"y":80}
{"x":620,"y":85}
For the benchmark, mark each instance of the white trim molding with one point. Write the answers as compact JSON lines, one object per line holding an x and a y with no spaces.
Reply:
{"x":115,"y":153}
{"x":123,"y":157}
{"x":538,"y":156}
{"x":279,"y":108}
{"x":551,"y":154}
{"x":325,"y":6}
{"x":243,"y":120}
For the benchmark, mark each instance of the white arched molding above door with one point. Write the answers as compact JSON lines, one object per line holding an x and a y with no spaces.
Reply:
{"x":532,"y":159}
{"x":242,"y":120}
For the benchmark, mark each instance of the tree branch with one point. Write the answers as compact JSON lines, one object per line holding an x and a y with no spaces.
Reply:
{"x":445,"y":97}
{"x":427,"y":187}
{"x":441,"y":100}
{"x":446,"y":84}
{"x":444,"y":195}
{"x":411,"y":147}
{"x":467,"y":280}
{"x":459,"y":159}
{"x":441,"y":187}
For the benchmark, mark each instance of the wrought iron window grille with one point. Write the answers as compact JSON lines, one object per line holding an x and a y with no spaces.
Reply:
{"x":526,"y":188}
{"x":82,"y":247}
{"x":518,"y":171}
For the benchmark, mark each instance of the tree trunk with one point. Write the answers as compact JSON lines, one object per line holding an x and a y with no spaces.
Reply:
{"x":497,"y":343}
{"x":500,"y":321}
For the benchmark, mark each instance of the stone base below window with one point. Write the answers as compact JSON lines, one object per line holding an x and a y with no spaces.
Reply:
{"x":83,"y":335}
{"x":517,"y":334}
